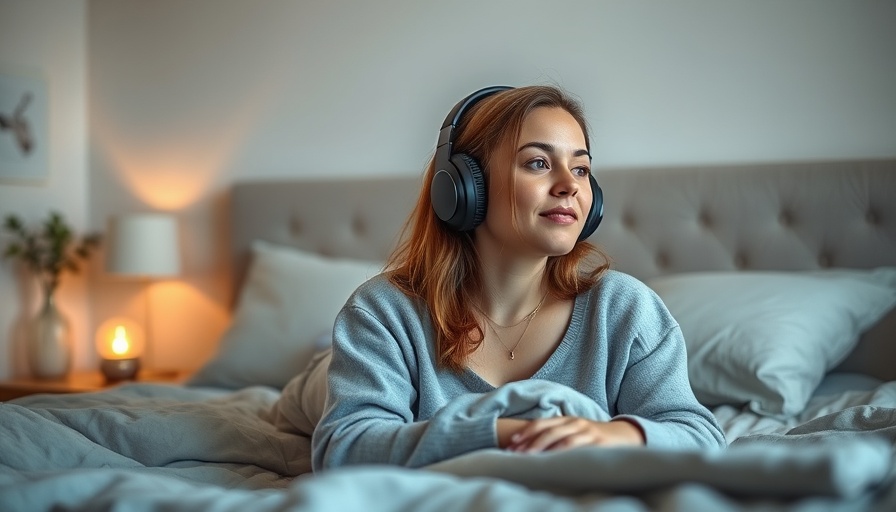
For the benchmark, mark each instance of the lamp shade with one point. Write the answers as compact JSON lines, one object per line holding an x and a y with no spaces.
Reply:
{"x":143,"y":245}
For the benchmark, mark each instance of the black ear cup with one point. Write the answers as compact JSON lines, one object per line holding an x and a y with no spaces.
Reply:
{"x":596,"y":213}
{"x":458,"y":193}
{"x":457,"y":190}
{"x":469,"y":169}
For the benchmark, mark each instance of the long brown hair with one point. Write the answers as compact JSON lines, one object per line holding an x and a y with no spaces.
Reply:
{"x":440,"y":265}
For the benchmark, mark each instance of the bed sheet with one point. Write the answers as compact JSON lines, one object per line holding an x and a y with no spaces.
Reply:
{"x":147,"y":446}
{"x":839,"y":391}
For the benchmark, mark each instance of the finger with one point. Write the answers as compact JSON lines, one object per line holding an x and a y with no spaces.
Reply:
{"x":534,"y":429}
{"x":546,"y":437}
{"x":554,"y":435}
{"x":573,"y":441}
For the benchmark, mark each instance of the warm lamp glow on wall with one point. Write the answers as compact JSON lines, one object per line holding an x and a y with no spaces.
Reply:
{"x":119,"y":343}
{"x":142,"y":246}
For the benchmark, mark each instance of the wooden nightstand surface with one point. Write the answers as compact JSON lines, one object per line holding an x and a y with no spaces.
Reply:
{"x":78,"y":383}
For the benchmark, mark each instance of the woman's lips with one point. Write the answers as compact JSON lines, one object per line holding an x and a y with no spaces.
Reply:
{"x":560,"y":215}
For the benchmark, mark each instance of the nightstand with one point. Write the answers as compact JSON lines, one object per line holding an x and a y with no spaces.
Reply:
{"x":78,"y":383}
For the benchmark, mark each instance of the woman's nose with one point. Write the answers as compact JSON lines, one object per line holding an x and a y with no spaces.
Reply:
{"x":565,"y":184}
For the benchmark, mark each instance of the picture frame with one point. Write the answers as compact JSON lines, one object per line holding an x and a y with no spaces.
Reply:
{"x":24,"y":126}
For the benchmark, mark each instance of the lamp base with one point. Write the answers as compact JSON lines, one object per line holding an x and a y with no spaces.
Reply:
{"x":120,"y":369}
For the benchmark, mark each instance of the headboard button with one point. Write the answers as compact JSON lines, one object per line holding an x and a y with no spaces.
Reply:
{"x":824,"y":261}
{"x":295,"y":227}
{"x":705,"y":219}
{"x":628,"y":220}
{"x":872,"y":217}
{"x":785,"y":218}
{"x":359,"y":227}
{"x":662,"y":260}
{"x":740,"y":261}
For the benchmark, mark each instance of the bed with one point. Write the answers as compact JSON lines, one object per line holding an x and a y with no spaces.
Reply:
{"x":782,"y":276}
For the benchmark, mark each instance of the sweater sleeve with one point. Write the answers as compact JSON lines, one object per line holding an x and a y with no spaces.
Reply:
{"x":656,"y":394}
{"x":372,"y":394}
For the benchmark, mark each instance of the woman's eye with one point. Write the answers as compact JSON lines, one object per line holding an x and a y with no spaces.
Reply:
{"x":581,"y":171}
{"x":537,"y":164}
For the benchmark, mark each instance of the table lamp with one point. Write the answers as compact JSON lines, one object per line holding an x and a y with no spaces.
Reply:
{"x":142,"y":246}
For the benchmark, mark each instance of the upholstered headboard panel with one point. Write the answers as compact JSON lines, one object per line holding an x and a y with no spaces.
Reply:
{"x":359,"y":218}
{"x":795,"y":216}
{"x":791,"y":216}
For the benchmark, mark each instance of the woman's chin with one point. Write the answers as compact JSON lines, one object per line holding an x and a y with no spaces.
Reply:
{"x":560,"y":247}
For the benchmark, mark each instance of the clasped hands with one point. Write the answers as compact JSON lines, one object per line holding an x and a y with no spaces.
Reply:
{"x":563,"y":432}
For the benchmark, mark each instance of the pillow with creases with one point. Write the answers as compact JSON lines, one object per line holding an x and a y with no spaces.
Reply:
{"x":766,"y":339}
{"x":287,"y":305}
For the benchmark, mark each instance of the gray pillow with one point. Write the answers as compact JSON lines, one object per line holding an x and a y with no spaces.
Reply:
{"x":766,"y":339}
{"x":288,"y":303}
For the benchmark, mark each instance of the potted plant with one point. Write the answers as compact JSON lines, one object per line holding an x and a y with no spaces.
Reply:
{"x":48,"y":252}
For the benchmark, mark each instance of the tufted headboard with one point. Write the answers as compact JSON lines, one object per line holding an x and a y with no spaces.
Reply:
{"x":795,"y":216}
{"x":358,"y":218}
{"x":791,"y":216}
{"x":787,"y":216}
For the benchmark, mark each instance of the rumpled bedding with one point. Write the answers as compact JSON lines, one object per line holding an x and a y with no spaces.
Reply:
{"x":197,"y":434}
{"x":152,"y":446}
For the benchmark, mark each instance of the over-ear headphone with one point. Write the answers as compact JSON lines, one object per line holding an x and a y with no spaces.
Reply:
{"x":458,"y":191}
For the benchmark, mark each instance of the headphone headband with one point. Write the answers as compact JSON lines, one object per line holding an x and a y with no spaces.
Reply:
{"x":453,"y":117}
{"x":447,"y":133}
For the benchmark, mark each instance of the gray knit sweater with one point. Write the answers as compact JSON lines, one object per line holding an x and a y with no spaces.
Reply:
{"x":388,"y":401}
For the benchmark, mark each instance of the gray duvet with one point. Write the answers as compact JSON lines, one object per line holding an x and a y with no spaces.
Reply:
{"x":150,"y":447}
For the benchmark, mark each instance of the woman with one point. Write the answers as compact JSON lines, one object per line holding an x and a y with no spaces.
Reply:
{"x":492,"y":287}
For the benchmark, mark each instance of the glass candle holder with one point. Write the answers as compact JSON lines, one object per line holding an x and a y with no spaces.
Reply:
{"x":119,"y":342}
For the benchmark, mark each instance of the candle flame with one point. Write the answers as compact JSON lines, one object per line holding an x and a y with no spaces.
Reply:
{"x":120,"y":343}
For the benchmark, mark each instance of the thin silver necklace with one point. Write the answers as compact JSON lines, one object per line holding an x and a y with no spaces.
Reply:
{"x":511,"y":352}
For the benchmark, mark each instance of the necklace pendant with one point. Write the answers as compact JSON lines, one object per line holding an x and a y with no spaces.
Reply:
{"x":512,"y":356}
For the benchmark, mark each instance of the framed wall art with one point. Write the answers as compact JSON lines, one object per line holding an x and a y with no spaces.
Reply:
{"x":24,"y":131}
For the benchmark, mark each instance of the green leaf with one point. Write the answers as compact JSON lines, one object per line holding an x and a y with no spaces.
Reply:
{"x":49,"y":250}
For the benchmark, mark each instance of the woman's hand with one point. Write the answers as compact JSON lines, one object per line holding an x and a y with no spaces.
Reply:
{"x":568,"y":432}
{"x":509,"y":427}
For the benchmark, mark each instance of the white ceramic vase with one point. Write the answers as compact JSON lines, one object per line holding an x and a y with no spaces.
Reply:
{"x":50,"y":342}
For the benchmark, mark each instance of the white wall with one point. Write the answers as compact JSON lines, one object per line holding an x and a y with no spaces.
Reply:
{"x":186,"y":97}
{"x":47,"y":37}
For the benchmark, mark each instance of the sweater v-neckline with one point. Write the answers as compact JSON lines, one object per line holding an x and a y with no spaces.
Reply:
{"x":476,"y":383}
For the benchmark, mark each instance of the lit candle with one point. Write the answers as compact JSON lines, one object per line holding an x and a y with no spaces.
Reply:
{"x":119,"y":342}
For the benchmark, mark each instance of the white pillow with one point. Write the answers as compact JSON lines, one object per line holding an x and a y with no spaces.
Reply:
{"x":766,"y":339}
{"x":288,"y":303}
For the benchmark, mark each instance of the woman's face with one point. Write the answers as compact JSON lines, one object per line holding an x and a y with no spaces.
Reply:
{"x":550,"y":166}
